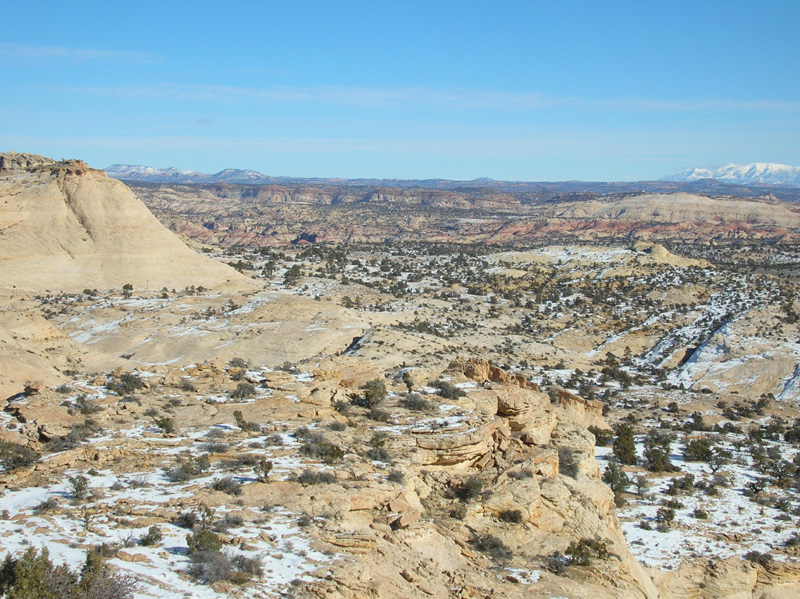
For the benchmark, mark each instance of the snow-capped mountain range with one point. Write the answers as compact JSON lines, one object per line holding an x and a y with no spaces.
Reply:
{"x":132,"y":172}
{"x":757,"y":173}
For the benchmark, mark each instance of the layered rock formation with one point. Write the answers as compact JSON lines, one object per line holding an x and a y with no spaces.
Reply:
{"x":282,"y":214}
{"x":67,"y":227}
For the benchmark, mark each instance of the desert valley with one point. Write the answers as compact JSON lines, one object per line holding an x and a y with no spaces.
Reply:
{"x":347,"y":389}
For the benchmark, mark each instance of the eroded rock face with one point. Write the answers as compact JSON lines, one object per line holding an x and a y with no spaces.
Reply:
{"x":68,"y":227}
{"x":730,"y":578}
{"x":481,"y":371}
{"x":16,"y":162}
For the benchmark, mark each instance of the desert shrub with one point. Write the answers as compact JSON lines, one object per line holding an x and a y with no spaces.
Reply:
{"x":700,"y":514}
{"x":319,"y":448}
{"x":602,"y":436}
{"x":379,"y":454}
{"x":203,"y":541}
{"x":341,"y":406}
{"x":396,"y":476}
{"x":227,"y":522}
{"x":188,"y":386}
{"x":665,"y":515}
{"x":46,"y":505}
{"x":227,"y":485}
{"x":262,"y":469}
{"x":374,"y":392}
{"x":214,"y":566}
{"x":458,"y":511}
{"x":185,"y":470}
{"x":126,"y":383}
{"x":377,"y":450}
{"x":34,"y":576}
{"x":337,"y":427}
{"x":657,"y":447}
{"x":303,"y":433}
{"x":79,"y":485}
{"x":244,"y":424}
{"x":521,"y":474}
{"x":379,"y":415}
{"x":698,"y":450}
{"x":248,"y":565}
{"x":14,"y":455}
{"x":758,"y":558}
{"x":86,"y":408}
{"x":310,"y":477}
{"x":416,"y":403}
{"x":512,"y":516}
{"x":492,"y":546}
{"x":244,"y":390}
{"x":274,"y":440}
{"x":215,"y":447}
{"x":581,"y":552}
{"x":448,"y":390}
{"x":77,"y":434}
{"x":166,"y":424}
{"x":152,"y":537}
{"x":567,"y":462}
{"x":469,"y":489}
{"x":237,"y":363}
{"x":187,"y":520}
{"x":680,"y":484}
{"x":556,"y":564}
{"x":793,"y":541}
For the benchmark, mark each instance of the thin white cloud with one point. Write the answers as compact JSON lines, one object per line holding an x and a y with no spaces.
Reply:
{"x":458,"y":98}
{"x":21,"y":52}
{"x":348,"y":96}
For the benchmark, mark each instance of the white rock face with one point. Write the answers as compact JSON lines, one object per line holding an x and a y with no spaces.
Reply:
{"x":67,"y":227}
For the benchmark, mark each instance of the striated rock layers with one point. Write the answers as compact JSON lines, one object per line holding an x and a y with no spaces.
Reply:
{"x":274,"y":215}
{"x":67,"y":227}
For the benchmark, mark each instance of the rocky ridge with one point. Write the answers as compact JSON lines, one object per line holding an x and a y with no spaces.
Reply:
{"x":67,"y":227}
{"x":275,"y":215}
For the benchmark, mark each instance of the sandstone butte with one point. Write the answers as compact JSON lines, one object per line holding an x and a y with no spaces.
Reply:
{"x":66,"y":227}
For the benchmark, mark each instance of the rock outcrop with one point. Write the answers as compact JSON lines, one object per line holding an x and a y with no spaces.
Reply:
{"x":67,"y":227}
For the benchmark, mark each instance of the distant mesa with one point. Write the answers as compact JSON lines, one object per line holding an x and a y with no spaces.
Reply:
{"x":66,"y":227}
{"x":757,"y":173}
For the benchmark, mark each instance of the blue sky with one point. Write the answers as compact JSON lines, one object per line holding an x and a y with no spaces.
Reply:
{"x":507,"y":89}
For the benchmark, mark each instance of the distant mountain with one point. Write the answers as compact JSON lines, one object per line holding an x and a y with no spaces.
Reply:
{"x":149,"y":174}
{"x":757,"y":173}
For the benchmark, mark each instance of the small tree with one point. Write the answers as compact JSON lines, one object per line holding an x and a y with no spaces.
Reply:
{"x":374,"y":394}
{"x":616,"y":478}
{"x":127,"y":290}
{"x":719,"y":458}
{"x":657,"y":447}
{"x":698,"y":450}
{"x":244,"y":390}
{"x":624,"y":447}
{"x":263,"y":468}
{"x":80,"y":487}
{"x":166,"y":424}
{"x":642,"y":484}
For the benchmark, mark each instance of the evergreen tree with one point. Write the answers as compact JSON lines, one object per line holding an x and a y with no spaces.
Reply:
{"x":624,"y":445}
{"x":615,"y":477}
